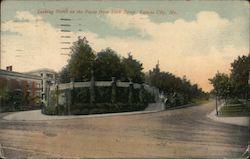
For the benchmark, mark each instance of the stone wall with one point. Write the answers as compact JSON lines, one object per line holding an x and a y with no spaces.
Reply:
{"x":67,"y":95}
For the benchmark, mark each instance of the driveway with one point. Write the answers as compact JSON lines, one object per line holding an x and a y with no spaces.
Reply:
{"x":181,"y":133}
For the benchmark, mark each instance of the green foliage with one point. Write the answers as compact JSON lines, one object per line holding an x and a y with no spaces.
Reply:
{"x":240,"y":75}
{"x":122,"y":94}
{"x":107,"y":65}
{"x":81,"y":95}
{"x":235,"y":110}
{"x":81,"y":103}
{"x":97,"y":108}
{"x":80,"y":63}
{"x":49,"y":110}
{"x":169,"y":84}
{"x":235,"y":101}
{"x":132,"y":69}
{"x":14,"y":100}
{"x":64,"y":75}
{"x":103,"y":94}
{"x":236,"y":85}
{"x":222,"y":85}
{"x":100,"y":108}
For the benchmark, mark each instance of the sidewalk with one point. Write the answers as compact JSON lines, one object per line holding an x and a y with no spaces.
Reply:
{"x":240,"y":121}
{"x":36,"y":115}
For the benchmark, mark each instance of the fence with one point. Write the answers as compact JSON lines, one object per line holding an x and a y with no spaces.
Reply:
{"x":63,"y":94}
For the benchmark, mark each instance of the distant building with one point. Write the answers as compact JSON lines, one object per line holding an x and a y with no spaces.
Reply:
{"x":48,"y":77}
{"x":18,"y":89}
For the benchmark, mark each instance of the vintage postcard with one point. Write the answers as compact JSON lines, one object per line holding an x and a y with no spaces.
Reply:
{"x":124,"y":79}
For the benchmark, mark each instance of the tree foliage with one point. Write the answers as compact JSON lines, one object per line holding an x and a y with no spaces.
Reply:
{"x":239,"y":75}
{"x":80,"y":62}
{"x":170,"y":84}
{"x":222,"y":85}
{"x":107,"y":65}
{"x":235,"y":84}
{"x":132,"y":69}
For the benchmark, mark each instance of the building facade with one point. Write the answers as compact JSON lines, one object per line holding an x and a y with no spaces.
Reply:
{"x":19,"y":91}
{"x":48,"y":77}
{"x":24,"y":91}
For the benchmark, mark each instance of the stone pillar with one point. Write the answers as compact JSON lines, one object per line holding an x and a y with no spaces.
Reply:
{"x":56,"y":106}
{"x":47,"y":95}
{"x":130,"y":94}
{"x":92,"y":88}
{"x":141,"y":94}
{"x":57,"y":94}
{"x":113,"y":93}
{"x":71,"y":96}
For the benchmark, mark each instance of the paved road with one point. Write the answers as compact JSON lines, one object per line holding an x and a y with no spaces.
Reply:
{"x":35,"y":115}
{"x":175,"y":133}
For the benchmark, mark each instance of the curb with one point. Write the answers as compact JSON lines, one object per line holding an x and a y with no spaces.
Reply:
{"x":54,"y":117}
{"x":238,"y":121}
{"x":182,"y":106}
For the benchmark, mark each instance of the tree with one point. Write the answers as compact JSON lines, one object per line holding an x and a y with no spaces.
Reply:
{"x":107,"y":65}
{"x":132,"y":69}
{"x":222,"y":85}
{"x":170,"y":84}
{"x":80,"y":62}
{"x":239,"y":75}
{"x":64,"y":76}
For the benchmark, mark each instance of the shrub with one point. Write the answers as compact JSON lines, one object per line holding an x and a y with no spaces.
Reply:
{"x":103,"y":94}
{"x":234,"y":101}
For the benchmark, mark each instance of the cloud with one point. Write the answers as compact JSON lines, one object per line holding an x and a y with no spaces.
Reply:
{"x":38,"y":40}
{"x":195,"y":48}
{"x":25,"y":15}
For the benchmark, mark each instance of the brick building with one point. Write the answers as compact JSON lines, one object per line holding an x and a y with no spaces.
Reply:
{"x":19,"y":91}
{"x":23,"y":91}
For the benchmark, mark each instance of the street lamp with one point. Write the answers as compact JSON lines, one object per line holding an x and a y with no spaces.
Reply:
{"x":249,"y":78}
{"x":248,"y":90}
{"x":216,"y":101}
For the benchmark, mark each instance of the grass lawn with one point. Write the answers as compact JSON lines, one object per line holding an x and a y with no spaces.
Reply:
{"x":199,"y":101}
{"x":235,"y":110}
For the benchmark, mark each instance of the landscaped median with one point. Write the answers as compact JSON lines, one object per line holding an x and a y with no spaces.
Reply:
{"x":36,"y":115}
{"x":235,"y":110}
{"x":232,"y":113}
{"x":98,"y":97}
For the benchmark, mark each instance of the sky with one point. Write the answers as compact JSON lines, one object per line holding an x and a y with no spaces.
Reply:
{"x":194,"y":38}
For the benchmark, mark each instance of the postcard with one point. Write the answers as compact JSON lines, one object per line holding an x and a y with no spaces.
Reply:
{"x":124,"y":79}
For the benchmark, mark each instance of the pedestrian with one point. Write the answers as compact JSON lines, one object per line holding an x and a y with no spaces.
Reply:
{"x":247,"y":152}
{"x":1,"y":152}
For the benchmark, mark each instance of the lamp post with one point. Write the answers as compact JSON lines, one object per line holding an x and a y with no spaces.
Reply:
{"x":216,"y":102}
{"x":248,"y":90}
{"x":249,"y":78}
{"x":248,"y":106}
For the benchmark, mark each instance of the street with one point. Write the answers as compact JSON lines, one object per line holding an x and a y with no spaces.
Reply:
{"x":179,"y":133}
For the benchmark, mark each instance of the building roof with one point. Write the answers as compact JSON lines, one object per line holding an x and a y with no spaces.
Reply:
{"x":41,"y":70}
{"x":18,"y":75}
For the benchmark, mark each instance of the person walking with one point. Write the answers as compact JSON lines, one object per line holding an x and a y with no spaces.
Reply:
{"x":1,"y":152}
{"x":247,"y":152}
